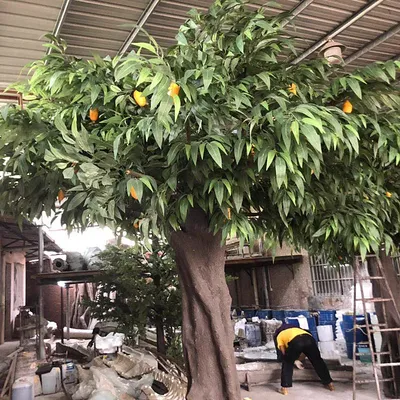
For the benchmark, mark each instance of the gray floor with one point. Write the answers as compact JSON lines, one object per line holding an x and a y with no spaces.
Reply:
{"x":7,"y":348}
{"x":311,"y":391}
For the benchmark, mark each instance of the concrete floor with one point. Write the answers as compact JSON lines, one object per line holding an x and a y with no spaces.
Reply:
{"x":309,"y":391}
{"x":7,"y":348}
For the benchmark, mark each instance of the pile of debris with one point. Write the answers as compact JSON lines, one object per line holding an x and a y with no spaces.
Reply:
{"x":110,"y":371}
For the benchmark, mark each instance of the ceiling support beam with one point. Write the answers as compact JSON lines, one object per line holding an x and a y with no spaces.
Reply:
{"x":60,"y":20}
{"x":297,"y":10}
{"x":339,"y":29}
{"x":376,"y":42}
{"x":142,"y":20}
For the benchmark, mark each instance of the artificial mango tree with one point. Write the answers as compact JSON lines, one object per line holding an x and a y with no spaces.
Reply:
{"x":219,"y":136}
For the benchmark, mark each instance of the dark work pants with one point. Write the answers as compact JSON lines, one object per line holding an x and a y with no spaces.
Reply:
{"x":303,"y":344}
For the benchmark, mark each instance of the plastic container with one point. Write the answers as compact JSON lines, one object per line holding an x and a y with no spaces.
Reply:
{"x":348,"y":332}
{"x":22,"y":389}
{"x":325,"y":333}
{"x":327,"y":315}
{"x":249,"y":313}
{"x":264,"y":314}
{"x":279,"y":315}
{"x":253,"y":335}
{"x":327,"y":348}
{"x":69,"y":373}
{"x":297,"y":313}
{"x":51,"y":382}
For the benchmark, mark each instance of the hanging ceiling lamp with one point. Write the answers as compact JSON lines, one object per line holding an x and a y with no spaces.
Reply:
{"x":332,"y":51}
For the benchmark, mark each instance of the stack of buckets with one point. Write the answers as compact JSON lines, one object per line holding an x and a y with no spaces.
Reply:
{"x":292,"y":318}
{"x":348,"y":332}
{"x":328,"y":317}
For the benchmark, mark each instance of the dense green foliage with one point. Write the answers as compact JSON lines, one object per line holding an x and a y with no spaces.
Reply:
{"x":138,"y":287}
{"x":255,"y":156}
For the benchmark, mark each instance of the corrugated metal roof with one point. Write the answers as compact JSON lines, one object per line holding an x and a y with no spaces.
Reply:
{"x":102,"y":26}
{"x":22,"y":26}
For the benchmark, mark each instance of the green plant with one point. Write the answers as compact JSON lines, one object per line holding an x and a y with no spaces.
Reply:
{"x":138,"y":287}
{"x":252,"y":145}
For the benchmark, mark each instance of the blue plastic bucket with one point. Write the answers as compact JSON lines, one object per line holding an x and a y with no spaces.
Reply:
{"x":278,"y":314}
{"x":249,"y":313}
{"x":311,"y":325}
{"x":264,"y":314}
{"x":327,"y":315}
{"x":348,"y":332}
{"x":297,"y":313}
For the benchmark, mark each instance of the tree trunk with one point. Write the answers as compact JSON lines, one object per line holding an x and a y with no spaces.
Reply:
{"x":389,"y":339}
{"x":207,"y":328}
{"x":160,"y":336}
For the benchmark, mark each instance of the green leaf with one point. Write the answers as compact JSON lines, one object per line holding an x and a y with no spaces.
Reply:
{"x":76,"y":200}
{"x":214,"y":152}
{"x":114,"y":88}
{"x":294,"y":127}
{"x":117,"y":140}
{"x":4,"y":111}
{"x":264,"y":76}
{"x":240,"y":43}
{"x":219,"y":192}
{"x":147,"y":182}
{"x":355,"y":87}
{"x":261,"y":159}
{"x":183,"y":208}
{"x":312,"y":136}
{"x":190,"y":199}
{"x":202,"y":148}
{"x":173,"y":152}
{"x":239,"y":146}
{"x":68,"y":173}
{"x":280,"y":170}
{"x":207,"y":77}
{"x":144,"y":73}
{"x":177,"y":104}
{"x":146,"y":46}
{"x":270,"y":158}
{"x":238,"y":199}
{"x":314,"y":122}
{"x":181,"y":38}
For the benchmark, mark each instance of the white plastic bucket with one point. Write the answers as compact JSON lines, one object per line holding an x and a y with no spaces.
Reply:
{"x":325,"y":333}
{"x":51,"y":382}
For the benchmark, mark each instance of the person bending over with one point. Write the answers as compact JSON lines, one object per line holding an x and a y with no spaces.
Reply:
{"x":292,"y":342}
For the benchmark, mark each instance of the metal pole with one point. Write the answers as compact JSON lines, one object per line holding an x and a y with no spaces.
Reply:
{"x":62,"y":314}
{"x":68,"y":313}
{"x":339,"y":29}
{"x":41,"y":350}
{"x":376,"y":42}
{"x":255,"y":286}
{"x":142,"y":20}
{"x":2,"y":295}
{"x":265,"y":286}
{"x":297,"y":10}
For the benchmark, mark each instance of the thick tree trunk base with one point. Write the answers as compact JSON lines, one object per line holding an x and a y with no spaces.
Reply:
{"x":207,"y":327}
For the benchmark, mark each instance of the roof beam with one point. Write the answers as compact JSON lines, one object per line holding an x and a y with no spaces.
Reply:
{"x":142,"y":20}
{"x":60,"y":19}
{"x":297,"y":10}
{"x":339,"y":29}
{"x":376,"y":42}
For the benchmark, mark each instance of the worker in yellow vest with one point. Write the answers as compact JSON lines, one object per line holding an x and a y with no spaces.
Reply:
{"x":292,"y":342}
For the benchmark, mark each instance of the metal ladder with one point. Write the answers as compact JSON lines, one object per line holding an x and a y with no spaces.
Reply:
{"x":373,"y":328}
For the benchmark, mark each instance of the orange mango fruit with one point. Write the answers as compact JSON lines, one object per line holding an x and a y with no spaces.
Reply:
{"x":141,"y":101}
{"x":173,"y":89}
{"x":347,"y":107}
{"x":94,"y":114}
